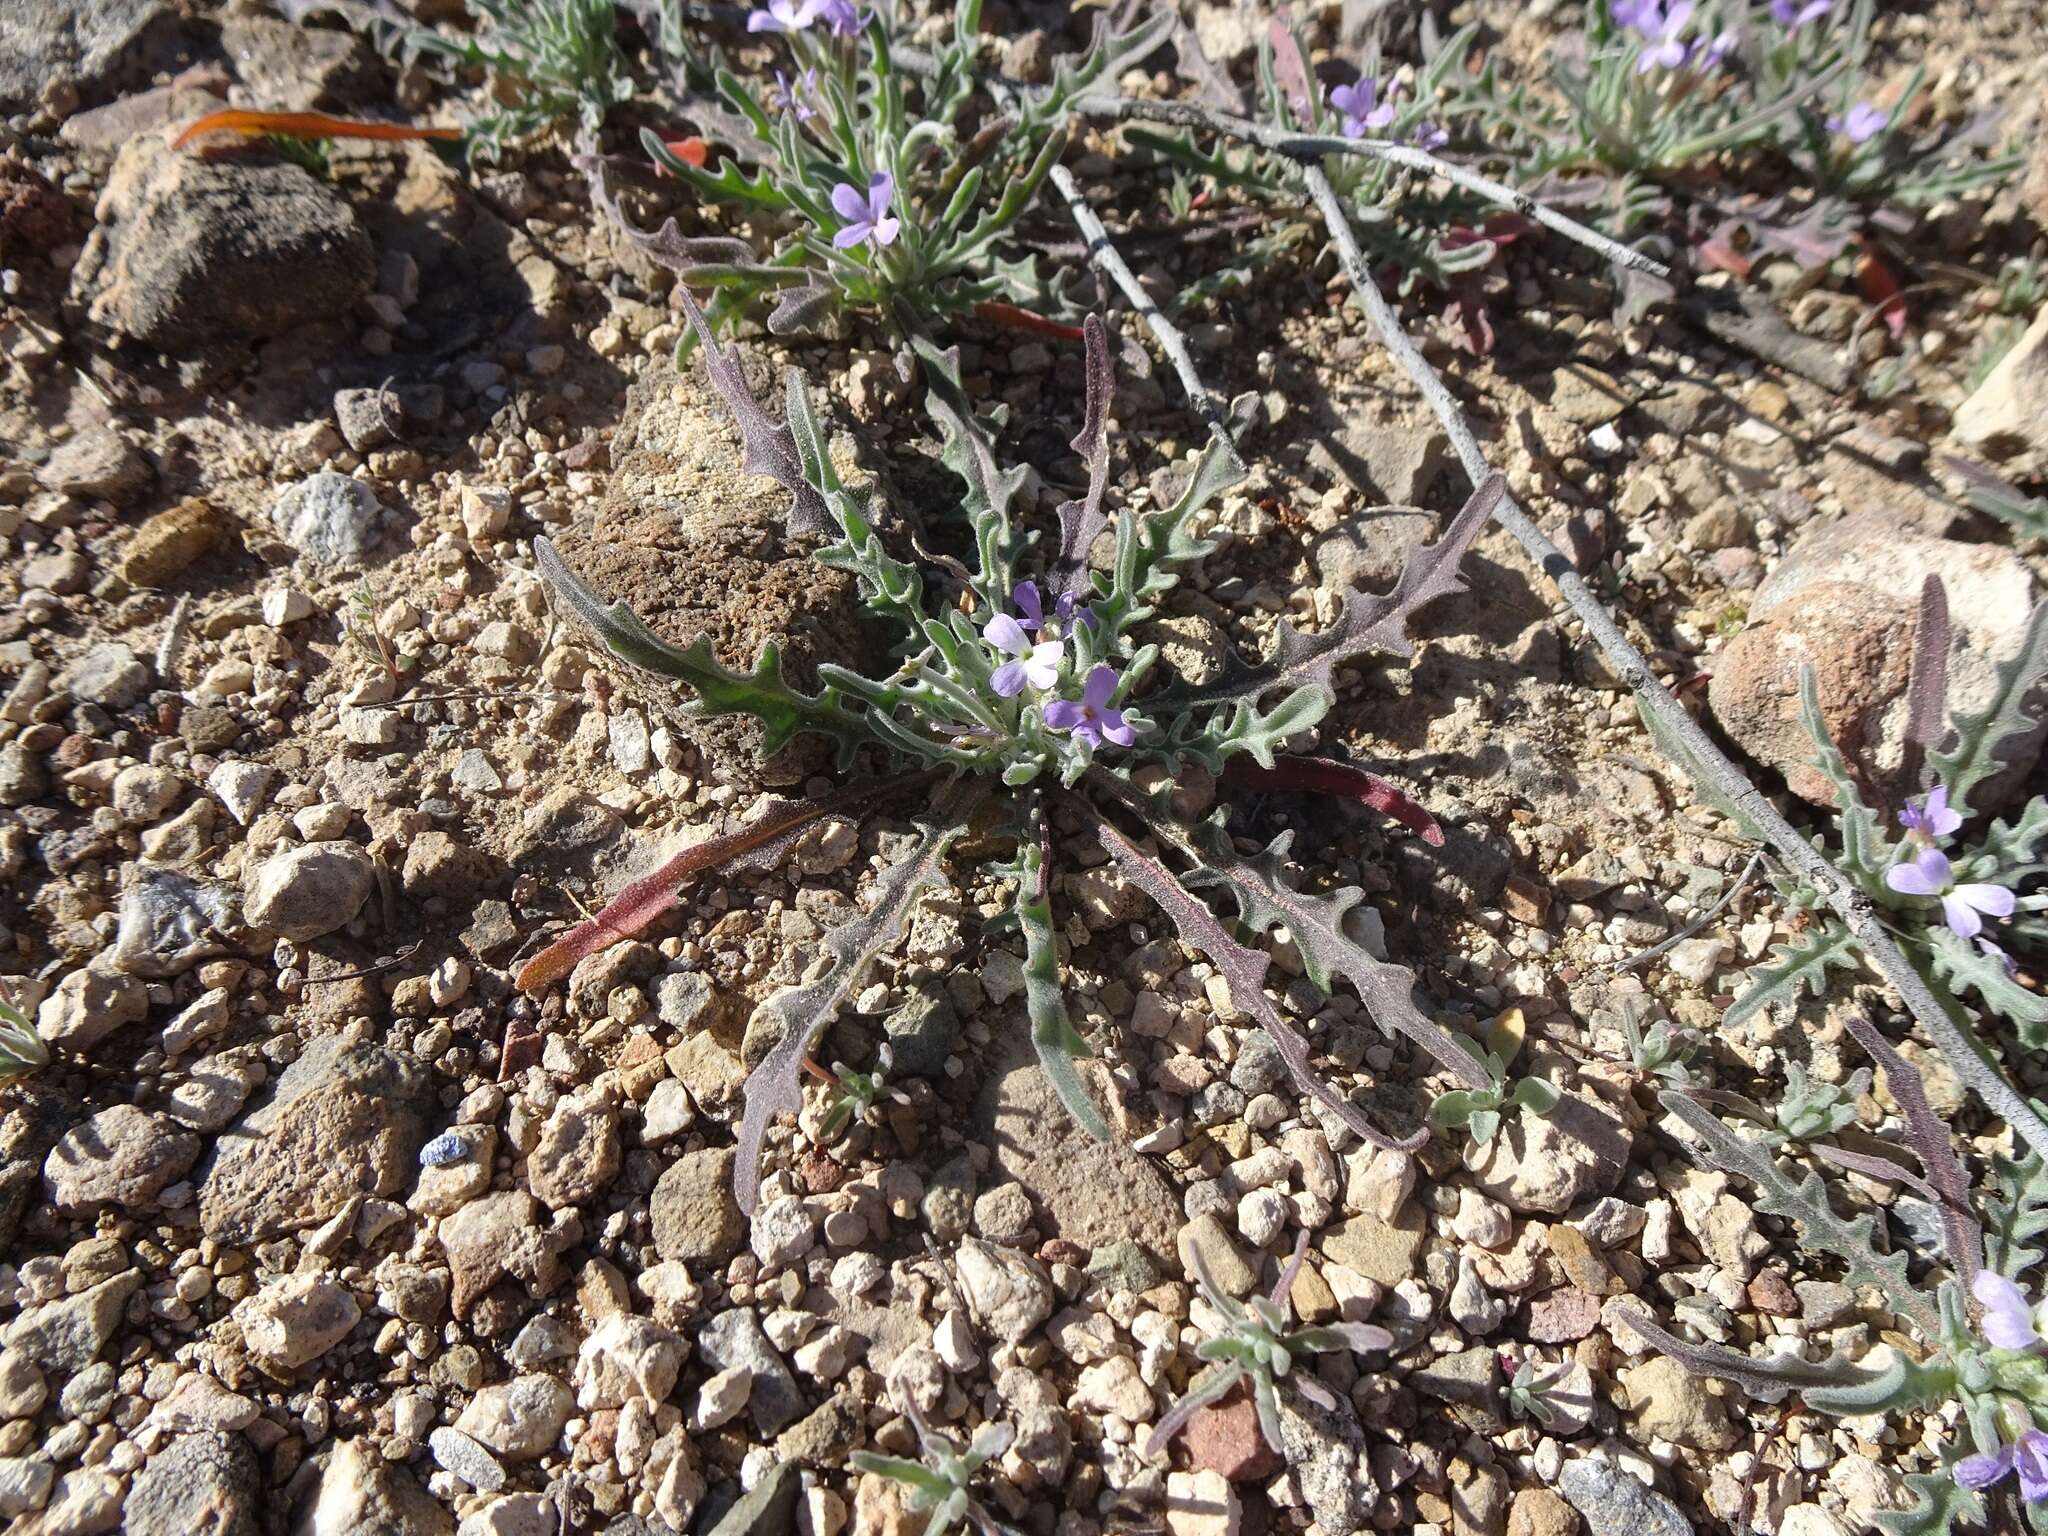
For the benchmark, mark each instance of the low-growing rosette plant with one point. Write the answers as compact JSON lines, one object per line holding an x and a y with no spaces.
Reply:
{"x":1977,"y":1318}
{"x":1022,"y":695}
{"x":1255,"y":1342}
{"x":887,"y":188}
{"x":1680,"y":118}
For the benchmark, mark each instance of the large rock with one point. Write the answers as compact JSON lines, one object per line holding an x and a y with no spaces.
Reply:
{"x":1844,"y":599}
{"x":1544,"y":1165}
{"x":693,"y":1212}
{"x":361,"y":1494}
{"x":309,"y":891}
{"x":190,"y":252}
{"x":78,"y":42}
{"x":1616,"y":1504}
{"x":696,"y":546}
{"x":2010,"y":408}
{"x":344,"y":1120}
{"x":330,"y":518}
{"x":123,"y":1156}
{"x":1092,"y":1193}
{"x":203,"y":1484}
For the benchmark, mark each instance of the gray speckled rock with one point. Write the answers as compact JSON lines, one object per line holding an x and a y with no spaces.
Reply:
{"x":199,"y":1482}
{"x":1616,"y":1504}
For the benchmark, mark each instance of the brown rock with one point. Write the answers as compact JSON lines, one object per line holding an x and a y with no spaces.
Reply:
{"x":496,"y":1238}
{"x":1385,"y":1251}
{"x":190,"y":252}
{"x":1539,"y":1512}
{"x":1563,"y":1316}
{"x":1859,"y":644}
{"x":1092,"y":1193}
{"x":2009,"y":410}
{"x":345,"y":1120}
{"x":169,"y":542}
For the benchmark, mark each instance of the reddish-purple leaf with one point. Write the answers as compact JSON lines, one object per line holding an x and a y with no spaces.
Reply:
{"x":649,"y":897}
{"x":1327,"y":776}
{"x":1081,"y":521}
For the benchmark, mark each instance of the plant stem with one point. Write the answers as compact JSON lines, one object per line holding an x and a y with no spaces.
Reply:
{"x":1969,"y":1059}
{"x":1309,"y":148}
{"x":1106,"y":256}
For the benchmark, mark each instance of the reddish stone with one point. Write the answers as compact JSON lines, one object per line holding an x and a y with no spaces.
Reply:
{"x":1224,"y":1437}
{"x":1063,"y":1250}
{"x":1563,"y":1316}
{"x":1770,"y":1293}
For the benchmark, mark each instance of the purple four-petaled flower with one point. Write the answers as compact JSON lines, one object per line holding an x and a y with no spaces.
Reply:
{"x":1793,"y":14}
{"x":1431,"y":137}
{"x":1031,"y":607}
{"x":1861,"y":123}
{"x":1362,"y":108}
{"x":783,"y":16}
{"x":1037,"y":665}
{"x":1963,"y":907}
{"x":2028,"y":1456}
{"x":867,"y":218}
{"x":1092,"y":721}
{"x":1929,"y":816}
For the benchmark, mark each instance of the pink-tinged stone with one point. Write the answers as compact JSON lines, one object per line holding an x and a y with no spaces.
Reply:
{"x":1563,"y":1316}
{"x":1224,"y":1437}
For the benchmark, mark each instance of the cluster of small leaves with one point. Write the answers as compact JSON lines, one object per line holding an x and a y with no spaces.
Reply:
{"x":1529,"y":1389}
{"x":1653,"y":92}
{"x":890,"y":189}
{"x":1810,"y":1110}
{"x":1254,"y":1342}
{"x":1020,"y":678}
{"x":1426,"y":236}
{"x":22,"y":1050}
{"x":1663,"y":1051}
{"x":942,"y":1481}
{"x":545,"y":63}
{"x":363,"y":628}
{"x":1481,"y":1110}
{"x":854,"y":1094}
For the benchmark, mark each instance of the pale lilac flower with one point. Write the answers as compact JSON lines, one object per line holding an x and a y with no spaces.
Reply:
{"x":1963,"y":907}
{"x":1431,"y":136}
{"x":1630,"y":13}
{"x":1092,"y":720}
{"x":867,"y":218}
{"x":783,"y":16}
{"x":1929,"y":816}
{"x":796,"y":99}
{"x":1362,"y":108}
{"x":1037,"y":665}
{"x":1792,"y":14}
{"x":2027,"y":1456}
{"x":1714,"y":53}
{"x":842,"y":17}
{"x":1862,"y":123}
{"x":2008,"y":1320}
{"x":1662,"y":27}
